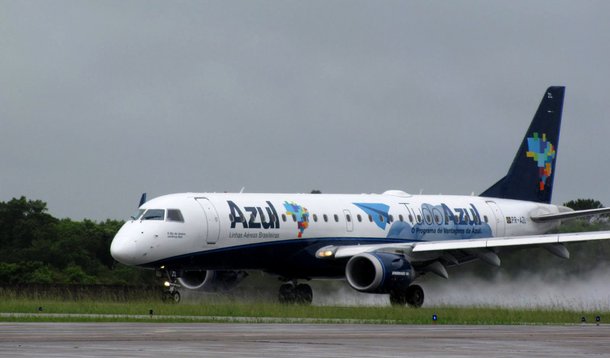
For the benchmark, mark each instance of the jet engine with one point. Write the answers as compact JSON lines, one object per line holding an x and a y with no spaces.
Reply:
{"x":211,"y":280}
{"x":379,"y":272}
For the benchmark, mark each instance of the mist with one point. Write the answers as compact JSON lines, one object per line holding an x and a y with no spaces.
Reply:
{"x":588,"y":291}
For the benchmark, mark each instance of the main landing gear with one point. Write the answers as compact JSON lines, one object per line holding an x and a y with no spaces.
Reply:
{"x":291,"y":292}
{"x":412,"y":296}
{"x":170,"y":292}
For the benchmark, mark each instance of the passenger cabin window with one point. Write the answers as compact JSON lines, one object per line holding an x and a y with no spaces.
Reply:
{"x":401,"y":218}
{"x":325,"y":217}
{"x":154,"y":214}
{"x":336,"y":218}
{"x":315,"y":218}
{"x":391,"y":219}
{"x":359,"y":218}
{"x":348,"y":218}
{"x":175,"y":215}
{"x":284,"y":217}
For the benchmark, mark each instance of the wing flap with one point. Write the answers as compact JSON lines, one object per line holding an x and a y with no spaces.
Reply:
{"x":449,"y":245}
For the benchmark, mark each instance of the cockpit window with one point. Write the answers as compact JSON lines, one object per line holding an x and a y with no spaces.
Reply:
{"x":137,"y":214}
{"x":154,"y":214}
{"x":174,"y":215}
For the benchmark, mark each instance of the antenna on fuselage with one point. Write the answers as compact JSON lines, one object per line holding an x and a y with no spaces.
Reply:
{"x":242,"y":189}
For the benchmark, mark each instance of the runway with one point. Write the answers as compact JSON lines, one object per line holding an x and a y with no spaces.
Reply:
{"x":299,"y":340}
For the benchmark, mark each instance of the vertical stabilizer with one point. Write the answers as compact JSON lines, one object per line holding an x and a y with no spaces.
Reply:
{"x":531,"y":175}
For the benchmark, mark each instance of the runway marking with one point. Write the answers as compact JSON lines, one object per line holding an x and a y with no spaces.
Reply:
{"x":220,"y":319}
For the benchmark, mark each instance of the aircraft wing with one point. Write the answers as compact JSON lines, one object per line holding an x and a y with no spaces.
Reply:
{"x":413,"y":248}
{"x":569,"y":214}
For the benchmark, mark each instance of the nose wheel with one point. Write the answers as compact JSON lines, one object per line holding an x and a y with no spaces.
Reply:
{"x":170,"y":292}
{"x":170,"y":297}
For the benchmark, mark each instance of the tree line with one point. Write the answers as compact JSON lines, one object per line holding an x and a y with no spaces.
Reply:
{"x":36,"y":247}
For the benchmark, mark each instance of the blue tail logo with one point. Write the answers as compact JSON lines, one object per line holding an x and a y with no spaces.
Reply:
{"x":543,"y":152}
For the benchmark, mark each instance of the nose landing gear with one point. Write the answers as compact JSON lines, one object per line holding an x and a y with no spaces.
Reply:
{"x":171,"y":295}
{"x":170,"y":292}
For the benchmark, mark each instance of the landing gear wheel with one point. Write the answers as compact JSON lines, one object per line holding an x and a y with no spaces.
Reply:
{"x":171,"y":297}
{"x":303,"y":294}
{"x":398,"y":297}
{"x":170,"y":294}
{"x":287,"y":293}
{"x":415,"y":296}
{"x":299,"y":294}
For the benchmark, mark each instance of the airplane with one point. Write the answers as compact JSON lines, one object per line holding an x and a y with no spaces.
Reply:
{"x":379,"y":243}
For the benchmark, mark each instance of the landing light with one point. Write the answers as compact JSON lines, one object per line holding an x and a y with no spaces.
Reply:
{"x":325,"y":253}
{"x":166,"y":284}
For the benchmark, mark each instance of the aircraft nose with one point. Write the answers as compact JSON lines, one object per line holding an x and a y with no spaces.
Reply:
{"x":123,"y":250}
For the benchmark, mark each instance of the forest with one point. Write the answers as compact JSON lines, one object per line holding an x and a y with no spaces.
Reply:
{"x":36,"y":247}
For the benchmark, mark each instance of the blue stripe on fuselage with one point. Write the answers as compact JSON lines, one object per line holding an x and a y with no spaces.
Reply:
{"x":290,"y":258}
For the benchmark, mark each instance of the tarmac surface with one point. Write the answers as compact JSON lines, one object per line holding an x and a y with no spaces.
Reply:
{"x":299,"y":340}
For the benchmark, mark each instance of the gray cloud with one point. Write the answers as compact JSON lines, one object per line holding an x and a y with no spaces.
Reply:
{"x":103,"y":100}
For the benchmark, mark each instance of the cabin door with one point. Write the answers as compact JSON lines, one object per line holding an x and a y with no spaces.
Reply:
{"x":210,"y":219}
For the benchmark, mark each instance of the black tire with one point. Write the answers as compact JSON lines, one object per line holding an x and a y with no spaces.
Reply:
{"x":176,"y":297}
{"x":415,"y":296}
{"x":287,"y":293}
{"x":398,"y":297}
{"x":166,"y":297}
{"x":303,"y":294}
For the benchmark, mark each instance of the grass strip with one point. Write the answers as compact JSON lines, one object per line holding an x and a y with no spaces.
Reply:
{"x":32,"y":310}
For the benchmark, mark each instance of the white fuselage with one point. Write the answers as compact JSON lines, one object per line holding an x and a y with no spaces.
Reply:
{"x":180,"y":227}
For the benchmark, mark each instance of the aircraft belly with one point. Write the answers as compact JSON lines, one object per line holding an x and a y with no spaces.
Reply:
{"x":290,"y":258}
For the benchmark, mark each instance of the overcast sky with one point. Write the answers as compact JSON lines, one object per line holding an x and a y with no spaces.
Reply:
{"x":103,"y":100}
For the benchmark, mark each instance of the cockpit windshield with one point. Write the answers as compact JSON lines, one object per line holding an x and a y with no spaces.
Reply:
{"x":154,"y":214}
{"x":174,"y":215}
{"x":137,"y":214}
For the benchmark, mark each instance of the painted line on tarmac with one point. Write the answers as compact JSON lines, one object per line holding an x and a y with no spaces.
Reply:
{"x":224,"y":319}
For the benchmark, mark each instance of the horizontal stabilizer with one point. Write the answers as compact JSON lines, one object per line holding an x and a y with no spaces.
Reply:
{"x":569,"y":215}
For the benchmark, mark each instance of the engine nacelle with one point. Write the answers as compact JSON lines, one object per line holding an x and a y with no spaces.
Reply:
{"x":210,"y":280}
{"x":378,"y":272}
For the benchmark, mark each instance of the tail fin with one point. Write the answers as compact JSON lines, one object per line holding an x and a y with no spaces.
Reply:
{"x":531,"y":175}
